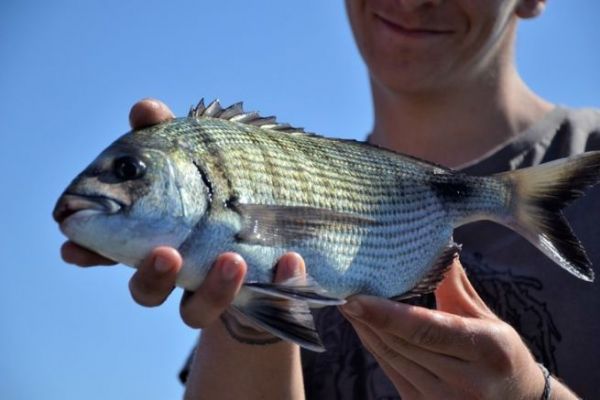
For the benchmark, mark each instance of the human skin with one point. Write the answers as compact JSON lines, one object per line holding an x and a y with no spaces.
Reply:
{"x":403,"y":350}
{"x":259,"y":372}
{"x":444,"y":72}
{"x":443,"y":95}
{"x":452,"y":95}
{"x":459,"y":351}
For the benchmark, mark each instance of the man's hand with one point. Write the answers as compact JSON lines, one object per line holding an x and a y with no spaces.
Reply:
{"x":155,"y":278}
{"x":460,"y":351}
{"x":144,"y":113}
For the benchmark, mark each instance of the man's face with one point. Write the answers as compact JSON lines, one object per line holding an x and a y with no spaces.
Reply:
{"x":416,"y":45}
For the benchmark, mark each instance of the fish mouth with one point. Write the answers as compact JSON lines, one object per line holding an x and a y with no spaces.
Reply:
{"x":71,"y":204}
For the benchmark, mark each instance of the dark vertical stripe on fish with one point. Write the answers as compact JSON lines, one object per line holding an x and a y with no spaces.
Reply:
{"x":207,"y":183}
{"x":450,"y":189}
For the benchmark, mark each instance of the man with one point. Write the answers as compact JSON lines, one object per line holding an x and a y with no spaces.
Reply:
{"x":445,"y":89}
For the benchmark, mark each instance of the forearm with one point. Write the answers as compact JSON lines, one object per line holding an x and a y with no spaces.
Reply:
{"x":226,"y":369}
{"x":560,"y":391}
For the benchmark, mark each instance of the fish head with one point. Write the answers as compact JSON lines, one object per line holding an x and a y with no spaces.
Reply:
{"x":137,"y":194}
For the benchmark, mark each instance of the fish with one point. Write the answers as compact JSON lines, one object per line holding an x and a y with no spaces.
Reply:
{"x":365,"y":219}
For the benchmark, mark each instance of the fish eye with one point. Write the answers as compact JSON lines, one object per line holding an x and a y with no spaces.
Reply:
{"x":127,"y":168}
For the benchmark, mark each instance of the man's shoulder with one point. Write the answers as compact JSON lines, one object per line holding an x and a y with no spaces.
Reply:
{"x":585,"y":124}
{"x":567,"y":131}
{"x":586,"y":117}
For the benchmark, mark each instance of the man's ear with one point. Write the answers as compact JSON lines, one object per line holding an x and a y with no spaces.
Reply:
{"x":530,"y":8}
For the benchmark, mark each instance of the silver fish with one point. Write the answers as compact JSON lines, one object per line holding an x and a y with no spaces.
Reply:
{"x":366,"y":220}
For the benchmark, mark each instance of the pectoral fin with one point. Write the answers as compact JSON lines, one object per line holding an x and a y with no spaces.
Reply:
{"x":273,"y":225}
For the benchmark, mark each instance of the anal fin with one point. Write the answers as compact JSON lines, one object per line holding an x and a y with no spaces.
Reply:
{"x":303,"y":288}
{"x":281,"y":309}
{"x":288,"y":319}
{"x":435,"y":275}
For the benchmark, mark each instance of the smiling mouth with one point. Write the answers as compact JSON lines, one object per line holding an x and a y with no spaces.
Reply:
{"x":83,"y":205}
{"x":410,"y":31}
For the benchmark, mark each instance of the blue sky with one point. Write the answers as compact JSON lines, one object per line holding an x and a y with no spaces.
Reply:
{"x":70,"y":70}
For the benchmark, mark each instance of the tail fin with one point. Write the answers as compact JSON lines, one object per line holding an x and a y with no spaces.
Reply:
{"x":539,"y":195}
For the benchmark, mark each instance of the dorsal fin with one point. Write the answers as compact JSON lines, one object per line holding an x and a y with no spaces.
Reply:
{"x":236,"y":113}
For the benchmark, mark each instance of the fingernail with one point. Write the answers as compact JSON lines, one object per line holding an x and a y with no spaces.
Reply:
{"x":294,"y":267}
{"x":230,"y":269}
{"x":353,"y":308}
{"x":161,"y":265}
{"x":155,"y":105}
{"x":291,"y":266}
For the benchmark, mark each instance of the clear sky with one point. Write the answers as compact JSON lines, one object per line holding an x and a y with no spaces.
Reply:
{"x":70,"y":70}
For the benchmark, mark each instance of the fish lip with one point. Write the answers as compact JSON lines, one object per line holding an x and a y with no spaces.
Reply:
{"x":70,"y":204}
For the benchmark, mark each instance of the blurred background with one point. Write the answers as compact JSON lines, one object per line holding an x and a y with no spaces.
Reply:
{"x":69,"y":72}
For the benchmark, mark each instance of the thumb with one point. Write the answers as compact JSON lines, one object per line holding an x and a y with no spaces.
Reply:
{"x":456,"y":295}
{"x":149,"y":112}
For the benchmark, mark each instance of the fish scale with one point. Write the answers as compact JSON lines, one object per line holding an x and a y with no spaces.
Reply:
{"x":366,"y":220}
{"x":260,"y":166}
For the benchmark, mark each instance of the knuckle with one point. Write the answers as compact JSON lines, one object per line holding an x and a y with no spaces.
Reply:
{"x":191,"y":320}
{"x":427,"y":335}
{"x":215,"y":293}
{"x":143,"y":294}
{"x":387,"y":352}
{"x":382,"y":316}
{"x":217,"y":298}
{"x":499,"y":348}
{"x":199,"y":309}
{"x":205,"y":304}
{"x":192,"y":315}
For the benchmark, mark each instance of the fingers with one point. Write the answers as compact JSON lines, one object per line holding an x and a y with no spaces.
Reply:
{"x":223,"y":281}
{"x":289,"y":266}
{"x":221,"y":285}
{"x":500,"y":356}
{"x":155,"y":278}
{"x":436,"y":354}
{"x":149,"y":112}
{"x":417,"y":364}
{"x":403,"y":373}
{"x":74,"y":254}
{"x":428,"y":374}
{"x":429,"y":329}
{"x":441,"y":331}
{"x":144,"y":113}
{"x":404,"y":387}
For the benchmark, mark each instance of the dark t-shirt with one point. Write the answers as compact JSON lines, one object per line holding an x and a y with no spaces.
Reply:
{"x":556,"y":314}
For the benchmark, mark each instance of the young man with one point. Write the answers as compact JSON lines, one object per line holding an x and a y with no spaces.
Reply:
{"x":445,"y":89}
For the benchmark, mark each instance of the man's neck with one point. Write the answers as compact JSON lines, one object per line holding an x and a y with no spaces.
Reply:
{"x":455,"y":127}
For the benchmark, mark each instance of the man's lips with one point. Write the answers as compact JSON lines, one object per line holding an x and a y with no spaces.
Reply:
{"x":413,"y":31}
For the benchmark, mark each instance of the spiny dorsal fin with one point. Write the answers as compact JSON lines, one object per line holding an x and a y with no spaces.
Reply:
{"x":236,"y":113}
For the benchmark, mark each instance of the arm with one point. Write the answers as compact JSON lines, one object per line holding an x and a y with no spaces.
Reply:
{"x":226,"y":369}
{"x":222,"y":367}
{"x":462,"y":350}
